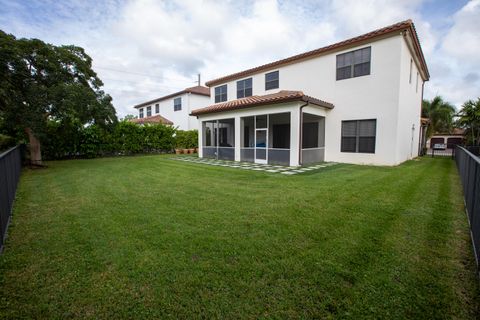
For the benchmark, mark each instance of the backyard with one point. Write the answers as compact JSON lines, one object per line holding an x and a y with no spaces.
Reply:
{"x":150,"y":237}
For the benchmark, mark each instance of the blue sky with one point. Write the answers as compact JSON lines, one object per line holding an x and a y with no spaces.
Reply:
{"x":143,"y":49}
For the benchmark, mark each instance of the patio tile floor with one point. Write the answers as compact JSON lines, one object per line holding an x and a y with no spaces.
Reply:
{"x":255,"y":166}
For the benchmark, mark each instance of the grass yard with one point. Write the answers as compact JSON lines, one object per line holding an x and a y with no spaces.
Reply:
{"x":149,"y":237}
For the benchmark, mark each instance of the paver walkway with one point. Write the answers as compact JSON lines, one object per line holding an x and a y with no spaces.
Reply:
{"x":256,"y":166}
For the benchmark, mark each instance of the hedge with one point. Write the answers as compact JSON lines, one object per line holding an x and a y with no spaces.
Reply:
{"x":186,"y":139}
{"x":125,"y":138}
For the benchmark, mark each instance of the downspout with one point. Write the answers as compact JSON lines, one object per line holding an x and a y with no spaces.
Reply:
{"x":300,"y":136}
{"x":423,"y":132}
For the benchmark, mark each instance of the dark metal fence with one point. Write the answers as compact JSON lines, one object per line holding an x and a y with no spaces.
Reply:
{"x":10,"y":167}
{"x":469,"y":168}
{"x":474,"y":149}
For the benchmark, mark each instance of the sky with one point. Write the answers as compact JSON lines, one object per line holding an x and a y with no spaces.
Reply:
{"x":144,"y":49}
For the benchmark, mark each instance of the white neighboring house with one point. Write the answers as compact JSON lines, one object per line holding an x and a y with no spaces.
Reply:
{"x":174,"y":108}
{"x":355,"y":101}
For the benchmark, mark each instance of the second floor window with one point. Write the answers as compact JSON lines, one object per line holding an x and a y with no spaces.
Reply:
{"x":271,"y":80}
{"x":221,"y":93}
{"x":177,"y":104}
{"x":353,"y":64}
{"x":140,"y":113}
{"x":244,"y":88}
{"x":149,"y":111}
{"x":157,"y":108}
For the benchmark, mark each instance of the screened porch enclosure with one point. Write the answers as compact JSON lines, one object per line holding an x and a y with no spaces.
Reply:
{"x":313,"y":138}
{"x":266,"y":138}
{"x":284,"y":138}
{"x":219,"y":139}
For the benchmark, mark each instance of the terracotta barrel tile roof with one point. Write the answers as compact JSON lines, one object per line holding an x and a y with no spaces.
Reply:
{"x":253,"y":101}
{"x":404,"y":25}
{"x":152,"y":119}
{"x":200,"y":90}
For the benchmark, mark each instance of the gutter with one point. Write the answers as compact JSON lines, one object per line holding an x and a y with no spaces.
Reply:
{"x":300,"y":136}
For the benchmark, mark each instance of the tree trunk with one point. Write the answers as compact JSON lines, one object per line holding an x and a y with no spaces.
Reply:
{"x":35,"y":152}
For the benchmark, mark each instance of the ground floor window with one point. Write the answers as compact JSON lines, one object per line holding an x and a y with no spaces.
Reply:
{"x":359,"y":136}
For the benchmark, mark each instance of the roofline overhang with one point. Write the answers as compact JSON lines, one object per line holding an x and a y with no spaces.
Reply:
{"x":307,"y":99}
{"x":339,"y":46}
{"x":179,"y":93}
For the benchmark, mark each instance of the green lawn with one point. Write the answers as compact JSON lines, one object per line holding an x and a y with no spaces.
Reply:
{"x":149,"y":237}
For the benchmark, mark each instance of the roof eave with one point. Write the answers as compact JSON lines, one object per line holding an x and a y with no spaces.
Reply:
{"x":339,"y":46}
{"x":308,"y":99}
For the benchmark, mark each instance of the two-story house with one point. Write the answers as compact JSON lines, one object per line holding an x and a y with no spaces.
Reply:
{"x":174,"y":109}
{"x":355,"y":101}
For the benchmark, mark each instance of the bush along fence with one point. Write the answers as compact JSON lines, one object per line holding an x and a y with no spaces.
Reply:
{"x":10,"y":167}
{"x":125,"y":138}
{"x":469,"y":168}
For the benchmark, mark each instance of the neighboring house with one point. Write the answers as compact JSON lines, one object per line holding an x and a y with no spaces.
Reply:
{"x":446,"y":140}
{"x":356,"y":101}
{"x":152,"y":119}
{"x":174,"y":108}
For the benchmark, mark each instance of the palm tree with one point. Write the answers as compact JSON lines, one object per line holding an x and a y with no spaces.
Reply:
{"x":440,"y":113}
{"x":469,"y":118}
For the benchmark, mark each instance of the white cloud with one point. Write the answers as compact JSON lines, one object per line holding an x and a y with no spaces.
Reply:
{"x":169,"y":42}
{"x":463,"y":39}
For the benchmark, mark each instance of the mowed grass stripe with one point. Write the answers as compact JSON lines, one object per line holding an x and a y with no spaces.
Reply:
{"x":147,"y":237}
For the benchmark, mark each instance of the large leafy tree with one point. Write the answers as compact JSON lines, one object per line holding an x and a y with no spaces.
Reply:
{"x":40,"y":82}
{"x":440,"y":113}
{"x":469,"y":119}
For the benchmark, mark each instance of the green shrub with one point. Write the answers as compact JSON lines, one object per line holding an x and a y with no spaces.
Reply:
{"x":125,"y":138}
{"x":6,"y":142}
{"x":186,"y":139}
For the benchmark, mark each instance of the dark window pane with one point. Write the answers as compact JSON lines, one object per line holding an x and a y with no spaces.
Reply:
{"x":177,"y":104}
{"x":271,"y":76}
{"x":348,"y":59}
{"x":360,"y":59}
{"x":221,"y":93}
{"x":362,"y":69}
{"x":271,"y":80}
{"x":366,"y":144}
{"x":271,"y":85}
{"x":340,"y":61}
{"x":244,"y":88}
{"x":366,"y":128}
{"x":349,"y":128}
{"x":366,"y":54}
{"x":240,"y":85}
{"x":344,"y":73}
{"x":157,"y":108}
{"x":357,"y":56}
{"x":348,"y":144}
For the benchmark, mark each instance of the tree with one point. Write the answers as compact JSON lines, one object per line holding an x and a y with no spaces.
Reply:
{"x":440,"y":113}
{"x":41,"y":82}
{"x":129,"y":117}
{"x":469,"y":119}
